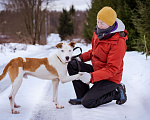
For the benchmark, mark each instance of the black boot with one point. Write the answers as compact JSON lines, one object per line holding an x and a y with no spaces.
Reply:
{"x":122,"y":93}
{"x":75,"y":101}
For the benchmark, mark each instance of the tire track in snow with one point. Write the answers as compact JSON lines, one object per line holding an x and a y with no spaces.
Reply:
{"x":46,"y":110}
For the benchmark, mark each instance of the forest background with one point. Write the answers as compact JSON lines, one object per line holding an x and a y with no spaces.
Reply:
{"x":31,"y":21}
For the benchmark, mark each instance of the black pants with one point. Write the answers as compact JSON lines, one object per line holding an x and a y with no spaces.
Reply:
{"x":101,"y":92}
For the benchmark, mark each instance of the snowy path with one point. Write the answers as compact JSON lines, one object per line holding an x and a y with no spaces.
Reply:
{"x":47,"y":110}
{"x":35,"y":95}
{"x":136,"y":108}
{"x":28,"y":96}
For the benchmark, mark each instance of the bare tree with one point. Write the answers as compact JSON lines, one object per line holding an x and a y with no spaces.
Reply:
{"x":33,"y":15}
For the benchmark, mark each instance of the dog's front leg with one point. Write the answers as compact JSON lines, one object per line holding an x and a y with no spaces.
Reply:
{"x":66,"y":78}
{"x":55,"y":92}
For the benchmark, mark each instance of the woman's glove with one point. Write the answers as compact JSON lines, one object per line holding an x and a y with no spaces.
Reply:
{"x":78,"y":58}
{"x":85,"y":78}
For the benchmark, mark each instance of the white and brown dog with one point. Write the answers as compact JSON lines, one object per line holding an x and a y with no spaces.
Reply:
{"x":52,"y":68}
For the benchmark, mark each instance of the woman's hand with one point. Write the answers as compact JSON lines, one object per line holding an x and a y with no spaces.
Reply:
{"x":85,"y":77}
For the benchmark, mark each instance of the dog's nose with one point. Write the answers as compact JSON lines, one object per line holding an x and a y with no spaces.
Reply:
{"x":67,"y":58}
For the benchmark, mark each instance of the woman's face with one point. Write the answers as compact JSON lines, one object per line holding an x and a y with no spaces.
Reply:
{"x":102,"y":25}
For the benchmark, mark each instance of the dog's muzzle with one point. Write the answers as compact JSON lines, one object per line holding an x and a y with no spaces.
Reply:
{"x":67,"y":58}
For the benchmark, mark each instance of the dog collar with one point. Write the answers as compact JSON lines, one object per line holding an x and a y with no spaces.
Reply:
{"x":60,"y":60}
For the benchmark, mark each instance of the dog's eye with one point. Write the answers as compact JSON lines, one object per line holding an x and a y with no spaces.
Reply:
{"x":69,"y":50}
{"x":62,"y":50}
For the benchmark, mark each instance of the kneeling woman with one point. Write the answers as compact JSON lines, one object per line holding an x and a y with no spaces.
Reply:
{"x":106,"y":55}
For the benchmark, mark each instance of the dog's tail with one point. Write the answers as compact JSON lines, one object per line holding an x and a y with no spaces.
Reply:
{"x":5,"y":70}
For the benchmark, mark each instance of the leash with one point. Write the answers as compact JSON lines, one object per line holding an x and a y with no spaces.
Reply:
{"x":78,"y":54}
{"x":74,"y":57}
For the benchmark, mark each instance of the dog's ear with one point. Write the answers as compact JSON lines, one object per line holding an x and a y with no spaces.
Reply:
{"x":72,"y":44}
{"x":59,"y":45}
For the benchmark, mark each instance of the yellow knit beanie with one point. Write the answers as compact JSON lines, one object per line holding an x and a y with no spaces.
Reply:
{"x":107,"y":15}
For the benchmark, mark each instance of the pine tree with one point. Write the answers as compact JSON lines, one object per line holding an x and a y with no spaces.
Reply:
{"x":141,"y":20}
{"x":91,"y":20}
{"x":72,"y":11}
{"x":72,"y":14}
{"x":128,"y":8}
{"x":65,"y":25}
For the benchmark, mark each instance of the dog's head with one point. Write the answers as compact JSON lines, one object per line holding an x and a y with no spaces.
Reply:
{"x":65,"y":51}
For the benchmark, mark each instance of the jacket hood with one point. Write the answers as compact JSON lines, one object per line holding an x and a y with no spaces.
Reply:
{"x":121,"y":26}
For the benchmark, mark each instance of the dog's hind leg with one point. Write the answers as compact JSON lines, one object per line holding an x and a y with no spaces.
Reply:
{"x":15,"y":87}
{"x":55,"y":92}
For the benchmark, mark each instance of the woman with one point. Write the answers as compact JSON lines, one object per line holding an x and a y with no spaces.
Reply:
{"x":106,"y":55}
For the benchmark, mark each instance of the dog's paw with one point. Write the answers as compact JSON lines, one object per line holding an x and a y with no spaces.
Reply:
{"x":78,"y":75}
{"x":15,"y":112}
{"x":59,"y":106}
{"x":85,"y":77}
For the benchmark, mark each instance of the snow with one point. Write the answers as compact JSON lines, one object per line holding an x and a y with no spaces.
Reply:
{"x":35,"y":95}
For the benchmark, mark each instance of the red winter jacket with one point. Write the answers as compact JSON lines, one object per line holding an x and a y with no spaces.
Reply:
{"x":107,"y":58}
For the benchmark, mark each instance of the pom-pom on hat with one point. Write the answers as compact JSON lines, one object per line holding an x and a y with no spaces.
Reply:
{"x":107,"y":15}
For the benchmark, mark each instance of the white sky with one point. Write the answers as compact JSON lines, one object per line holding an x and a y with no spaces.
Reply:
{"x":1,"y":7}
{"x":78,"y":4}
{"x":60,"y":4}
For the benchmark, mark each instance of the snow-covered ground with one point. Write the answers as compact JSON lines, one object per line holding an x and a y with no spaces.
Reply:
{"x":35,"y":95}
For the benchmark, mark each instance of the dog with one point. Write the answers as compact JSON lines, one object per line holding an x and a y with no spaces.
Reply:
{"x":52,"y":68}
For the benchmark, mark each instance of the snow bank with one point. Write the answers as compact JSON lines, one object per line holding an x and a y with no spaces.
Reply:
{"x":52,"y":39}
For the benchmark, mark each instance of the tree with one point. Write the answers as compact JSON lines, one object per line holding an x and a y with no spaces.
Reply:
{"x":32,"y":15}
{"x":128,"y":8}
{"x":65,"y":25}
{"x":72,"y":13}
{"x":141,"y":20}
